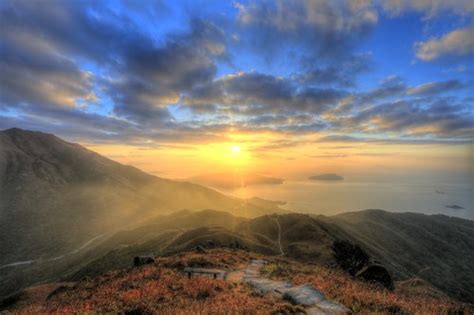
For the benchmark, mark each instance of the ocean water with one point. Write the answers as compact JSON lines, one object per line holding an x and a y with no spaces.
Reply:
{"x":328,"y":198}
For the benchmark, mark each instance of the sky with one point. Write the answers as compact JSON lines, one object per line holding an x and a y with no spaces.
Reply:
{"x":372,"y":89}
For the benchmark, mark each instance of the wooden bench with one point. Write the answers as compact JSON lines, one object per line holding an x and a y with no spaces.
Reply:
{"x":211,"y":273}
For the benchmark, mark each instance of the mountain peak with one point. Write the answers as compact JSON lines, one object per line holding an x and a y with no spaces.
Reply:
{"x":18,"y":132}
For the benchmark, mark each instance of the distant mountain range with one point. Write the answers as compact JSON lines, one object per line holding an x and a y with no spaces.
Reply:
{"x":67,"y":212}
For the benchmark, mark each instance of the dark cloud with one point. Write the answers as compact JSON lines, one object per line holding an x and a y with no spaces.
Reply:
{"x":263,"y":94}
{"x":439,"y":117}
{"x":389,"y":87}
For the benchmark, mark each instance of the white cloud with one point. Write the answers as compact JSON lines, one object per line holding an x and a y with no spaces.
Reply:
{"x":459,"y":42}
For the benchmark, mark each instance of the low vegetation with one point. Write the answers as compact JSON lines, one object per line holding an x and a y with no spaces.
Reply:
{"x":162,"y":288}
{"x":360,"y":296}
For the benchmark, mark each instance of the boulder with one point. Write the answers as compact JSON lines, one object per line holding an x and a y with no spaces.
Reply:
{"x":376,"y":273}
{"x":143,"y":260}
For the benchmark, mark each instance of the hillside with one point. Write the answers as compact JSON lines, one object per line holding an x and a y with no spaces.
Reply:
{"x":58,"y":198}
{"x":163,"y":288}
{"x":436,"y":248}
{"x":302,"y":237}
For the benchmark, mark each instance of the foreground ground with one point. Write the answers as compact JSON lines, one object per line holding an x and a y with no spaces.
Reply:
{"x":162,"y":288}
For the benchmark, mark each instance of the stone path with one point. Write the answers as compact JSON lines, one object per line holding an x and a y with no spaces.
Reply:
{"x":305,"y":295}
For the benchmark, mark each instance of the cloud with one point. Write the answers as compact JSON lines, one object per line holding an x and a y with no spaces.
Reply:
{"x":342,"y":74}
{"x":396,"y":141}
{"x":324,"y":29}
{"x":430,"y":7}
{"x":439,"y":116}
{"x":45,"y":47}
{"x":435,"y":87}
{"x":321,"y":16}
{"x":35,"y":69}
{"x":457,"y":43}
{"x":154,"y":77}
{"x":262,"y":94}
{"x":388,"y":87}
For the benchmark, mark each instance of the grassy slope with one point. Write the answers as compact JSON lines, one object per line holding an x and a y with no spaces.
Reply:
{"x":436,"y":248}
{"x":162,"y":288}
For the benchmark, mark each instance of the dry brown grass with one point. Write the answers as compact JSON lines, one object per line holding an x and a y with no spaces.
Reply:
{"x":362,"y":297}
{"x":161,"y":288}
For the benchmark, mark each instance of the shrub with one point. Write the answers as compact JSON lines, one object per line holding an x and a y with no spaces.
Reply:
{"x":349,"y":256}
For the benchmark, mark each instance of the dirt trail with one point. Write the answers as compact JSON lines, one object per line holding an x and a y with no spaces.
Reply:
{"x":305,"y":295}
{"x":30,"y":262}
{"x":279,"y":237}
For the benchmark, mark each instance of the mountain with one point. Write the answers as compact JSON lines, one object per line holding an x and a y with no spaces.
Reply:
{"x":57,"y":197}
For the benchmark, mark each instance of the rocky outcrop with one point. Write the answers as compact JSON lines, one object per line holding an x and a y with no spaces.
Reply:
{"x":376,"y":273}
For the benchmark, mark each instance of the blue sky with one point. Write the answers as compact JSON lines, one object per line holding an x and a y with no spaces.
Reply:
{"x":174,"y":71}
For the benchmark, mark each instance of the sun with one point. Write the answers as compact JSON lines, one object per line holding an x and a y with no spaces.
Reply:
{"x":235,"y":149}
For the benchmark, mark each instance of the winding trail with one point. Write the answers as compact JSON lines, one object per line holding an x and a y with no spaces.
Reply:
{"x":30,"y":262}
{"x":279,"y":237}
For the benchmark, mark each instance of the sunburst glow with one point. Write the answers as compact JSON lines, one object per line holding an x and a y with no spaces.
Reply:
{"x":235,"y":149}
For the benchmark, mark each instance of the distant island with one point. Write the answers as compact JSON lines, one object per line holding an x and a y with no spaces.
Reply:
{"x":232,"y":181}
{"x":327,"y":177}
{"x":455,"y":207}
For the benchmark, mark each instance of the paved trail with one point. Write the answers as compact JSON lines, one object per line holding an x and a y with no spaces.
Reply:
{"x":305,"y":295}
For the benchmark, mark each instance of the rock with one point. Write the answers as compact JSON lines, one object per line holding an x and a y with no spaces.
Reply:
{"x":303,"y":294}
{"x":175,"y":287}
{"x":376,"y":273}
{"x":264,"y":285}
{"x":331,"y":307}
{"x":200,"y":249}
{"x":300,"y":296}
{"x":143,"y":260}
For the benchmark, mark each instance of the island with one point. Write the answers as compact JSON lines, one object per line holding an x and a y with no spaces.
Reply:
{"x":326,"y":177}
